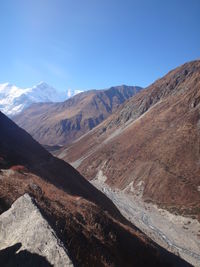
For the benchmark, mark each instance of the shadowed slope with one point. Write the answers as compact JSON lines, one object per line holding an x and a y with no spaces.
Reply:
{"x":9,"y":258}
{"x":17,"y":147}
{"x":91,"y":228}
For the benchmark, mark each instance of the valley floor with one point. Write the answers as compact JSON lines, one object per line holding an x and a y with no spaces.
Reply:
{"x":180,"y":235}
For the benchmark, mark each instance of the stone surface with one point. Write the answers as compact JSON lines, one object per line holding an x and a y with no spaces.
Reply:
{"x":23,"y":223}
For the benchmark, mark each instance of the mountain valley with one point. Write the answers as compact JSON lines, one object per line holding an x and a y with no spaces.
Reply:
{"x":61,"y":123}
{"x":100,"y":133}
{"x":151,"y":142}
{"x":148,"y":153}
{"x":140,"y":151}
{"x":88,"y":224}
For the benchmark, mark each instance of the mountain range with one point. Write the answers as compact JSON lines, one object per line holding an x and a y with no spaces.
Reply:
{"x":139,"y":149}
{"x":151,"y":144}
{"x":91,"y":230}
{"x":61,"y":123}
{"x":14,"y":99}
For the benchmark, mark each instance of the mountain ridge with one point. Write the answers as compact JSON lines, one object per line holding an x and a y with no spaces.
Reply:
{"x":154,"y":140}
{"x":62,"y":123}
{"x":89,"y":225}
{"x":14,"y":100}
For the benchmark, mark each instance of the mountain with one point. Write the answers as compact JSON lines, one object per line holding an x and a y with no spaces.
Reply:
{"x":87,"y":223}
{"x":14,"y":99}
{"x":61,"y":123}
{"x":150,"y":145}
{"x":71,"y":92}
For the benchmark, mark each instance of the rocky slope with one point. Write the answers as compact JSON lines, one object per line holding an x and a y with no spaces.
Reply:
{"x":86,"y":221}
{"x":14,"y":99}
{"x":24,"y":224}
{"x":151,"y":145}
{"x":178,"y":234}
{"x":61,"y":123}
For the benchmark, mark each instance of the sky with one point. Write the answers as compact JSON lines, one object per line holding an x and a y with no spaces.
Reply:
{"x":94,"y":44}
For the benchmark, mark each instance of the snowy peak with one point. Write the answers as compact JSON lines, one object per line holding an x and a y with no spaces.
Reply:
{"x":14,"y":99}
{"x":7,"y":89}
{"x":43,"y":92}
{"x":71,"y":92}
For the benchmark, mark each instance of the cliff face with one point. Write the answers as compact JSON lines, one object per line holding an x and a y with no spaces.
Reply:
{"x":62,"y":123}
{"x":151,"y":143}
{"x":90,"y":227}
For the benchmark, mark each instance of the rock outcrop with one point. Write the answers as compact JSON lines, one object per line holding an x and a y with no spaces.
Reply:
{"x":23,"y":223}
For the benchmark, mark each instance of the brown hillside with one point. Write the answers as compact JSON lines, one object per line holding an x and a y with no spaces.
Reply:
{"x":61,"y":123}
{"x":154,"y":139}
{"x":89,"y":225}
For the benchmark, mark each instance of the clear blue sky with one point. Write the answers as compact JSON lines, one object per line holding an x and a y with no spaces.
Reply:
{"x":84,"y":44}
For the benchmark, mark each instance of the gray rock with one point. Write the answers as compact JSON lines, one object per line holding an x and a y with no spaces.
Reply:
{"x":23,"y":223}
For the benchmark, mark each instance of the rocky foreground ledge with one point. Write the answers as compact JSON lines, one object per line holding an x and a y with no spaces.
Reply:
{"x":26,"y":238}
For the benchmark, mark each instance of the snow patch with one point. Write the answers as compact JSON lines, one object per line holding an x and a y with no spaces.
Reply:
{"x":71,"y":92}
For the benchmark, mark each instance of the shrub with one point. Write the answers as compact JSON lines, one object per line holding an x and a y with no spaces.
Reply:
{"x":18,"y":168}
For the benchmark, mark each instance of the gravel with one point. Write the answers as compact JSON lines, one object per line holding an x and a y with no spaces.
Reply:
{"x":177,"y":234}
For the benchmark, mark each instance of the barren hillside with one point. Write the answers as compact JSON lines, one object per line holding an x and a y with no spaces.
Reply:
{"x":152,"y":143}
{"x":61,"y":123}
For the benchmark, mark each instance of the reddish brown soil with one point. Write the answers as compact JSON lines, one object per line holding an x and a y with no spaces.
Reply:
{"x":160,"y":146}
{"x":91,"y":228}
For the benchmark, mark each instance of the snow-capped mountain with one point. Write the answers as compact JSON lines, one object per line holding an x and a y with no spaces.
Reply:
{"x":71,"y":92}
{"x":14,"y":99}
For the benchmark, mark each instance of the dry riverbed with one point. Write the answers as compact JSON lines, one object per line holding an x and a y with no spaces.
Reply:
{"x":177,"y":234}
